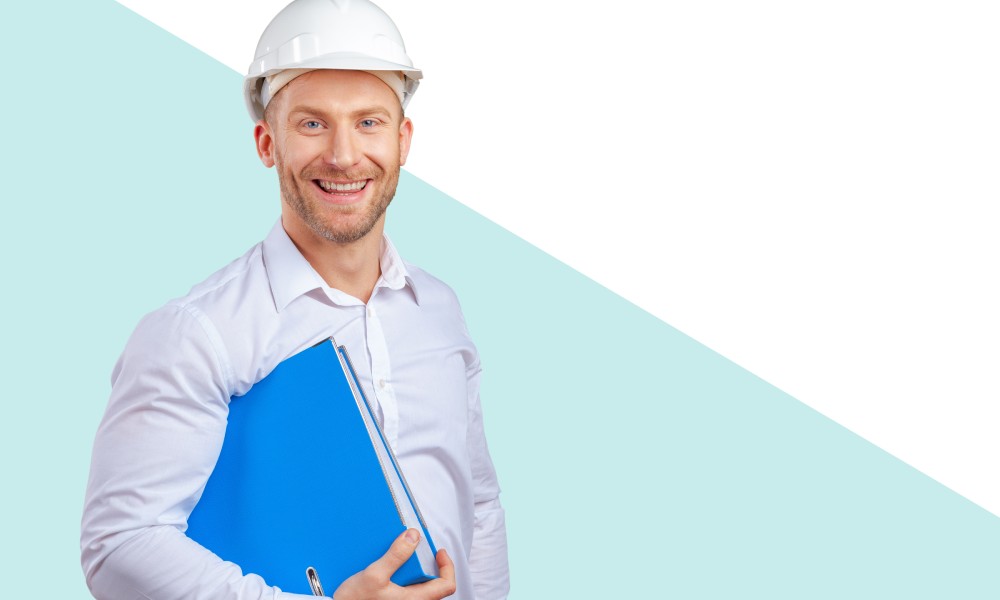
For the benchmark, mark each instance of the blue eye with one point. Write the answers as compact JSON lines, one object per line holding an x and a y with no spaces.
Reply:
{"x":312,"y":124}
{"x":368,"y":123}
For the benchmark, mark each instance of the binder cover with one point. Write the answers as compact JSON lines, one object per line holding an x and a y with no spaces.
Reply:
{"x":305,"y":478}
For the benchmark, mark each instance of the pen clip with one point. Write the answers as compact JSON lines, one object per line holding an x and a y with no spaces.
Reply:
{"x":314,"y":584}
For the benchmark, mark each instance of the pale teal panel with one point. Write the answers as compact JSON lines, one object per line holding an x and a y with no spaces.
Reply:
{"x":635,"y":462}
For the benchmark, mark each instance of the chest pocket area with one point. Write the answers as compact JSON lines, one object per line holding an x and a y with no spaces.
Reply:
{"x":433,"y":406}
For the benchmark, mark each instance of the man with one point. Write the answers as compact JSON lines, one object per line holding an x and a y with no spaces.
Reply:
{"x":327,"y":90}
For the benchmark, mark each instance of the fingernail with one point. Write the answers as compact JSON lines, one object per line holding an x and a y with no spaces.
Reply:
{"x":412,"y":536}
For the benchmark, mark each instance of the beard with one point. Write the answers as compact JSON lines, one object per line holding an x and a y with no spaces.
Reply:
{"x":339,"y":224}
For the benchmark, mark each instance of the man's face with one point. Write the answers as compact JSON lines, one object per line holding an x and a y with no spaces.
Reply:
{"x":337,"y":139}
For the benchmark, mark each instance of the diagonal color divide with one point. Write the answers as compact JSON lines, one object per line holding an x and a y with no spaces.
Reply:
{"x":624,"y":446}
{"x":807,"y":190}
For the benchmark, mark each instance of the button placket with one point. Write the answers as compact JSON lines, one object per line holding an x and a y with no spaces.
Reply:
{"x":381,"y":374}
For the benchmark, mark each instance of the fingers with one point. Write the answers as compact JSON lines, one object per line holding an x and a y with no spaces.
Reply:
{"x":399,"y":552}
{"x":446,"y":568}
{"x":441,"y":587}
{"x":374,"y":581}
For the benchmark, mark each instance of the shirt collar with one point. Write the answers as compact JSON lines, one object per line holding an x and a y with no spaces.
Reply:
{"x":290,"y":275}
{"x":395,"y":276}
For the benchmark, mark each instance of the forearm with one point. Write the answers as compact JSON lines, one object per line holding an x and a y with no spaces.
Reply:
{"x":488,"y":556}
{"x":488,"y":559}
{"x":162,"y":563}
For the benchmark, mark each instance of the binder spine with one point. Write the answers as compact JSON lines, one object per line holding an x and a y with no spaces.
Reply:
{"x":342,"y":351}
{"x":345,"y":364}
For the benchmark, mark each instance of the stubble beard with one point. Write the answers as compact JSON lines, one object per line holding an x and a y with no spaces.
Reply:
{"x":329,"y":221}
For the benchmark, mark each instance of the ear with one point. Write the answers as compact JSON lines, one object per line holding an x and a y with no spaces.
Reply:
{"x":405,"y":134}
{"x":265,"y":143}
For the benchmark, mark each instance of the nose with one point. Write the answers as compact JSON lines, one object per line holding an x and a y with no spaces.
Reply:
{"x":343,"y":151}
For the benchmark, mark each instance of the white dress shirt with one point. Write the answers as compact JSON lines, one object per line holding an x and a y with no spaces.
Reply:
{"x":166,"y":419}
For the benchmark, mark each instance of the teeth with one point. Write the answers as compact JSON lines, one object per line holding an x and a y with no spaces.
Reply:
{"x":342,"y":187}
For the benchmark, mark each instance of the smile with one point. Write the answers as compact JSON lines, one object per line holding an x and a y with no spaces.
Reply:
{"x":332,"y":186}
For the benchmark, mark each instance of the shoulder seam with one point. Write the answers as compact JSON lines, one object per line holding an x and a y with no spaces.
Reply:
{"x":189,"y":298}
{"x":214,"y":338}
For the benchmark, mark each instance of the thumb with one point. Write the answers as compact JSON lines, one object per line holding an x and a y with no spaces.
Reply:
{"x":401,"y":550}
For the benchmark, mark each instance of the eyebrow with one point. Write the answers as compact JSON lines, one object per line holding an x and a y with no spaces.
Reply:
{"x":369,"y":110}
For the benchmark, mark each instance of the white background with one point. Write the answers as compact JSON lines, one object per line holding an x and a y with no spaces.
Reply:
{"x":807,"y":188}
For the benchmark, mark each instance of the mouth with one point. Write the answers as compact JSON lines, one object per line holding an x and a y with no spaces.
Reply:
{"x":342,"y":192}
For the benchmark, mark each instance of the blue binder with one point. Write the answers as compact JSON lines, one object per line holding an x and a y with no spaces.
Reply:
{"x":306,"y":479}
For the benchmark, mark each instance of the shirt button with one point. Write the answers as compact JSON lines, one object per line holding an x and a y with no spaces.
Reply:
{"x":369,"y":311}
{"x":381,"y":383}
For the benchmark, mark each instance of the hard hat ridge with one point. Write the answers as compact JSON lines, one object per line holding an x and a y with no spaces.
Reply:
{"x":355,"y":35}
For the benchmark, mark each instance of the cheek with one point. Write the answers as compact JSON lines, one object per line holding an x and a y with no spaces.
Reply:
{"x":385,"y":153}
{"x":296,"y":153}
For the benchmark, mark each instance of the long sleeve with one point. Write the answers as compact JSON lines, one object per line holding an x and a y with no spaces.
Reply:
{"x":154,"y":450}
{"x":488,"y":557}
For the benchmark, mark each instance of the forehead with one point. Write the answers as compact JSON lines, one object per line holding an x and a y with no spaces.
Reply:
{"x":337,"y":91}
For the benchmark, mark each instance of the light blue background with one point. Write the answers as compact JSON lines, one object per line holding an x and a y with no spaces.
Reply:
{"x":634,"y":461}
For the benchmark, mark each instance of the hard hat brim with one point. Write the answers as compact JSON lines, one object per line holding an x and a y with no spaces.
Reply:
{"x":350,"y":61}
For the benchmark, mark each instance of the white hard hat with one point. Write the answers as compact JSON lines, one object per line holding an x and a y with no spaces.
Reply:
{"x":328,"y":34}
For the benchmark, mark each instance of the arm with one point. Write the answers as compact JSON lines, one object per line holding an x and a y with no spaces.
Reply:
{"x":154,"y":450}
{"x":488,"y":560}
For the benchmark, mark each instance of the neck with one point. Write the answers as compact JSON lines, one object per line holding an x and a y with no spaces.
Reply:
{"x":352,"y":268}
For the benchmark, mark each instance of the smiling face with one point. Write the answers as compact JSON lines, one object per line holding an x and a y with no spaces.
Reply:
{"x":337,"y":139}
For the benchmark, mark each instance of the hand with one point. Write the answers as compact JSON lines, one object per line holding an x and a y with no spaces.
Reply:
{"x":373,"y":583}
